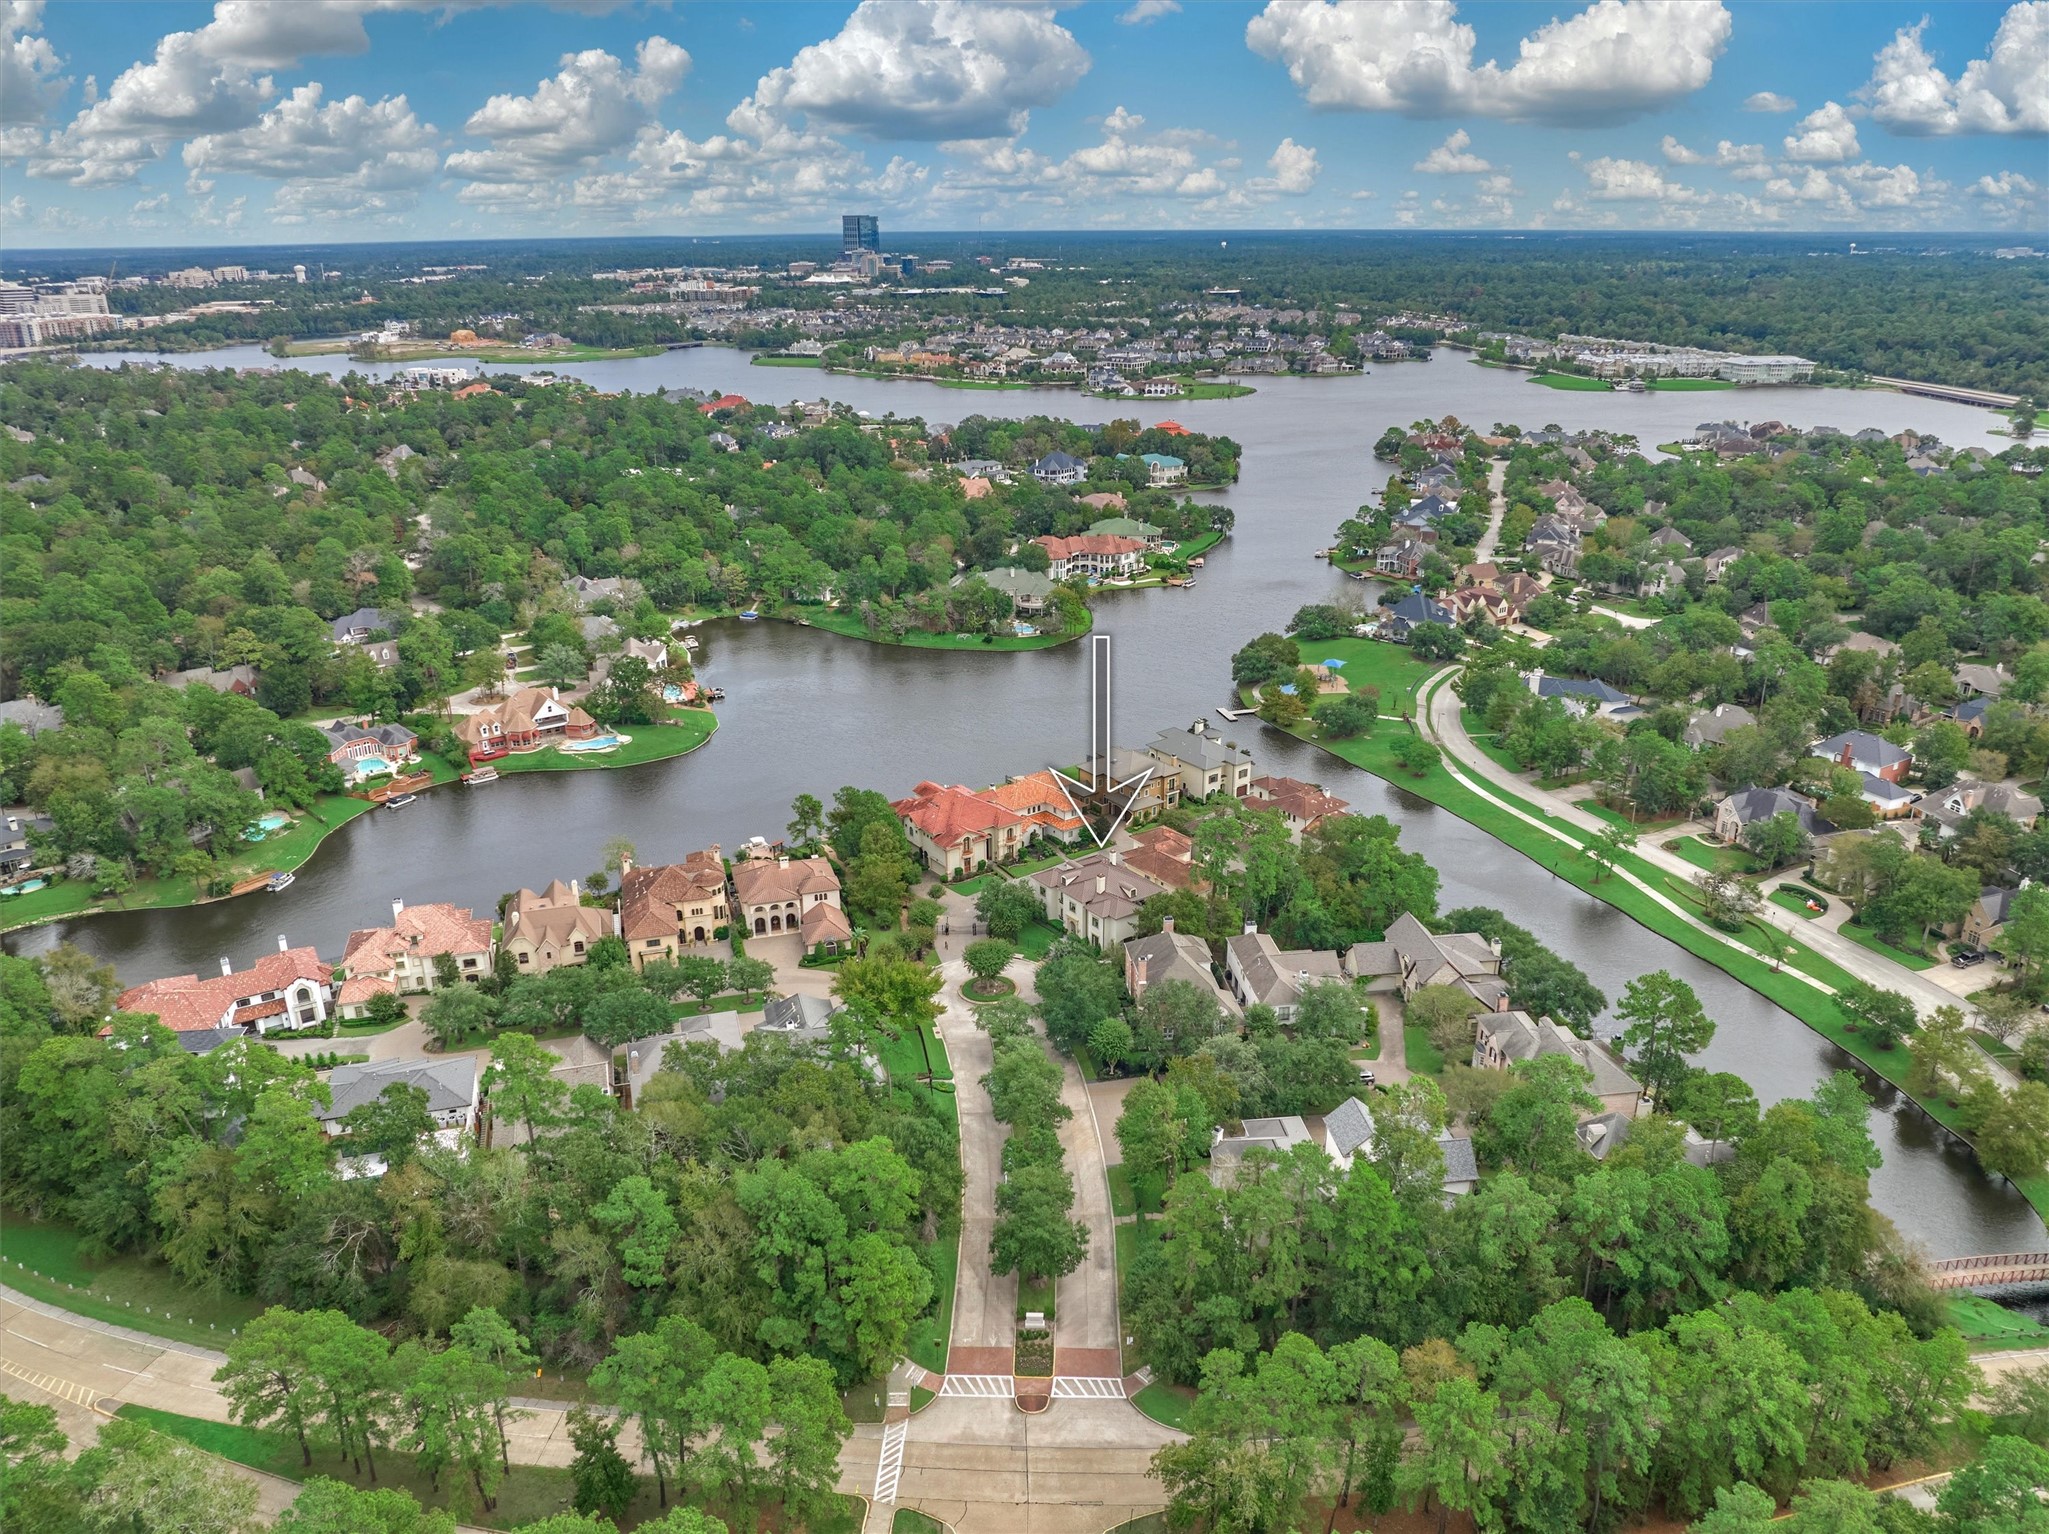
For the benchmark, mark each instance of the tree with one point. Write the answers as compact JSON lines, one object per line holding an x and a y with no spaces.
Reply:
{"x":561,"y":665}
{"x":750,"y":977}
{"x":1607,"y":850}
{"x":1437,"y":641}
{"x":1666,"y":1024}
{"x":1333,"y":1009}
{"x":986,"y":957}
{"x":1007,"y":907}
{"x":2000,"y":1491}
{"x":454,"y":1401}
{"x":490,"y":1336}
{"x":810,"y":1429}
{"x":1720,"y":1106}
{"x":730,"y":1401}
{"x":1349,"y":715}
{"x":267,"y":1372}
{"x":1268,"y":658}
{"x":1727,"y":901}
{"x":392,"y":1125}
{"x":1459,"y":1461}
{"x":1150,"y":1134}
{"x":1173,"y":1017}
{"x":1738,"y":1509}
{"x":648,"y":1376}
{"x":1776,"y":840}
{"x":1884,"y":1017}
{"x":643,"y":1228}
{"x":1415,"y":755}
{"x":1077,"y":990}
{"x":2011,"y":1132}
{"x":1945,"y":1058}
{"x":701,"y":976}
{"x":522,"y":1085}
{"x":455,"y":1013}
{"x":622,"y":1016}
{"x":334,"y":1507}
{"x":2024,"y":938}
{"x":807,"y":821}
{"x":604,"y":1483}
{"x":145,"y":1480}
{"x":349,"y":1375}
{"x":1033,"y":1236}
{"x":1447,"y":1011}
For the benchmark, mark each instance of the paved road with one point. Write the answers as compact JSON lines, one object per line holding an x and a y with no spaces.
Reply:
{"x":1086,"y":1300}
{"x":984,"y":1303}
{"x":1497,"y":471}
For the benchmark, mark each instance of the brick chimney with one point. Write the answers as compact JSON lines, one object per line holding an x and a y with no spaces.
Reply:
{"x":1167,"y":924}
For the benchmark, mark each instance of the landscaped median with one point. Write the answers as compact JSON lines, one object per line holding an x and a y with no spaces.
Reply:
{"x":1558,"y":846}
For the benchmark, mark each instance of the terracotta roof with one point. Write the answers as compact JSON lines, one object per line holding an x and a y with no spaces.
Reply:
{"x":1297,"y":800}
{"x":186,"y":1002}
{"x":648,"y":896}
{"x":1167,"y":842}
{"x":1089,"y":543}
{"x":759,"y":881}
{"x":420,"y":929}
{"x":825,"y":923}
{"x":1038,"y":797}
{"x":949,"y":814}
{"x":556,"y":915}
{"x":360,"y":988}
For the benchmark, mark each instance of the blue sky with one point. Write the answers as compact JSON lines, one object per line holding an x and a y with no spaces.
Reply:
{"x":175,"y":123}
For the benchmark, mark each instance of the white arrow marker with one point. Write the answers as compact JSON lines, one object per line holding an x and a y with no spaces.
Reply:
{"x":1102,"y":739}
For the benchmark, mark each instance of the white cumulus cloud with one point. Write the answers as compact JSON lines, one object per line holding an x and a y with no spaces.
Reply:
{"x":1726,"y":153}
{"x":1451,"y":158}
{"x":591,"y":107}
{"x":1614,"y":60}
{"x":2007,"y":91}
{"x":1147,"y":11}
{"x":1825,"y":136}
{"x":29,"y":79}
{"x":338,"y":158}
{"x":926,"y":69}
{"x":1769,"y":101}
{"x":1293,"y":168}
{"x":1616,"y":180}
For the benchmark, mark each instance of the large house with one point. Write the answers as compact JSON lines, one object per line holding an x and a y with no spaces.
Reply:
{"x":666,"y":908}
{"x":287,"y":989}
{"x":1028,"y":590}
{"x":1163,"y":469}
{"x":1986,"y":919}
{"x":1279,"y":1135}
{"x":450,"y":1085}
{"x":1711,"y":726}
{"x":1580,"y":696}
{"x":1038,"y":798}
{"x":1058,"y":468}
{"x":1411,"y":612}
{"x":529,"y":719}
{"x":1164,"y":855}
{"x":1200,"y":764}
{"x":782,"y":894}
{"x":1095,"y":897}
{"x":1348,"y":1133}
{"x":1506,"y":1037}
{"x":1747,"y":806}
{"x":356,"y":628}
{"x":1170,"y":955}
{"x":1099,"y":554}
{"x":1302,"y":805}
{"x":1866,"y":752}
{"x":955,"y":832}
{"x":1948,"y":808}
{"x":1411,"y":956}
{"x":553,"y":928}
{"x":400,"y":957}
{"x":380,"y":746}
{"x":1262,"y":973}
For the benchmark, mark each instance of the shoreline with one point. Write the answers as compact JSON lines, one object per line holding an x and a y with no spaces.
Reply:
{"x":918,"y":639}
{"x":1792,"y":987}
{"x":1201,"y":390}
{"x":353,"y":808}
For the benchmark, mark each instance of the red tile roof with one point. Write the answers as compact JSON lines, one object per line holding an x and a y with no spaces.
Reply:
{"x":1089,"y":543}
{"x":949,"y":814}
{"x":420,"y":929}
{"x":186,"y":1002}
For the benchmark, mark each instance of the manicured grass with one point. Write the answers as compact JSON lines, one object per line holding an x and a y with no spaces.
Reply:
{"x":909,"y":1520}
{"x":922,"y":1398}
{"x":1716,"y":860}
{"x":650,"y":743}
{"x":1169,"y":1406}
{"x":1423,"y":1056}
{"x":1600,"y":811}
{"x":1864,"y":937}
{"x":1037,"y":939}
{"x":128,"y":1291}
{"x":1026,"y":867}
{"x":993,"y":989}
{"x":1687,"y":385}
{"x":788,"y":362}
{"x":735,"y":1001}
{"x":528,"y":1494}
{"x":834,"y":621}
{"x":1130,"y":1195}
{"x":976,"y":885}
{"x":927,"y":1340}
{"x":1375,"y":663}
{"x":1037,"y":1295}
{"x":1572,"y":382}
{"x":1987,"y":1323}
{"x":1793,"y":901}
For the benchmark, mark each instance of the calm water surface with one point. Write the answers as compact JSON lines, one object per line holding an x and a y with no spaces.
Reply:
{"x":808,"y":711}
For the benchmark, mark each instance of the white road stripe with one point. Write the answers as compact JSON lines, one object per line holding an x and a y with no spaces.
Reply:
{"x":983,"y":1386}
{"x":890,"y":1467}
{"x":1069,"y":1387}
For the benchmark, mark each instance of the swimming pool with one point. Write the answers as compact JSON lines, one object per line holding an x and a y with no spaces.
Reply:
{"x":370,"y":766}
{"x":596,"y":743}
{"x":264,"y":825}
{"x":672,"y":693}
{"x":27,"y":887}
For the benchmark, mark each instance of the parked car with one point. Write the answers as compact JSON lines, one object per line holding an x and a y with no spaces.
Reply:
{"x":1365,"y":1077}
{"x":1964,"y":958}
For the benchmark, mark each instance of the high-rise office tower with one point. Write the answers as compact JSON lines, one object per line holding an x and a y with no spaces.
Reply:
{"x":858,"y":231}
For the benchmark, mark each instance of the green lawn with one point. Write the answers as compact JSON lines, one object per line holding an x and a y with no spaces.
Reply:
{"x":129,"y":1291}
{"x":976,"y":885}
{"x":788,"y":362}
{"x":836,"y":621}
{"x":1687,"y":385}
{"x":1037,"y":939}
{"x":1986,"y":1323}
{"x":1600,"y":811}
{"x":1786,"y":988}
{"x":1169,"y":1406}
{"x":1423,"y":1056}
{"x":1026,"y":867}
{"x":1864,"y":937}
{"x":1375,"y":663}
{"x":909,"y":1520}
{"x":1572,"y":382}
{"x":1716,"y":860}
{"x":1131,"y":1197}
{"x":1785,"y":895}
{"x":528,"y":1494}
{"x":929,"y":1336}
{"x":650,"y":743}
{"x":1037,"y":1294}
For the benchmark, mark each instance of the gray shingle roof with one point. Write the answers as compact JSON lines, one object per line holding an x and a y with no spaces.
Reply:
{"x":1864,"y":746}
{"x":449,"y":1084}
{"x":1460,"y":1165}
{"x":1348,"y":1128}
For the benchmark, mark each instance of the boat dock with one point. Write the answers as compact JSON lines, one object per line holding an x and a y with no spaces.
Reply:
{"x":1233,"y":715}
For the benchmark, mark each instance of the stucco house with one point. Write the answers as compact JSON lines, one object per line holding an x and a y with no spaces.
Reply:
{"x":284,"y":990}
{"x":956,"y":832}
{"x":1200,"y":763}
{"x":553,"y":928}
{"x":666,"y":909}
{"x":402,"y":954}
{"x":1095,"y":897}
{"x":790,"y":895}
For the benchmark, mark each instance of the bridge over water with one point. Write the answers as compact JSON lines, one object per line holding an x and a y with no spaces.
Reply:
{"x":1997,"y":1271}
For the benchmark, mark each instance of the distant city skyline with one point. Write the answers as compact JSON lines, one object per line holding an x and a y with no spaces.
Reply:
{"x":266,"y":122}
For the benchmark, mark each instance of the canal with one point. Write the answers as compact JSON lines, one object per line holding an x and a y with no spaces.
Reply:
{"x":808,"y":711}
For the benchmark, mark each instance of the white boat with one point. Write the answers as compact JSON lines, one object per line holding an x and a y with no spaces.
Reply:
{"x":400,"y":802}
{"x":481,"y":775}
{"x":281,"y":881}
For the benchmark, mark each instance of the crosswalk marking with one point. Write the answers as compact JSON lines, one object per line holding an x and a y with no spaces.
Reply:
{"x":64,"y":1390}
{"x":1068,"y":1387}
{"x":984,"y":1386}
{"x":890,"y":1468}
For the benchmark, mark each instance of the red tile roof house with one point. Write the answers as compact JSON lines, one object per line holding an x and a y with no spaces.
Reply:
{"x":400,"y":958}
{"x":790,"y":895}
{"x":1038,"y":797}
{"x":956,"y":832}
{"x":1301,"y":804}
{"x":286,"y":989}
{"x":1092,"y":554}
